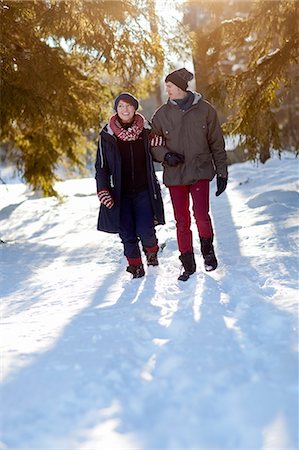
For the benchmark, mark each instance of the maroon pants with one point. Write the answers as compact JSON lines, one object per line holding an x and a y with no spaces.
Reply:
{"x":180,"y":197}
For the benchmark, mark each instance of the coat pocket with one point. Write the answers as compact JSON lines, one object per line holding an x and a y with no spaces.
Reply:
{"x":200,"y":128}
{"x":202,"y":160}
{"x":204,"y":166}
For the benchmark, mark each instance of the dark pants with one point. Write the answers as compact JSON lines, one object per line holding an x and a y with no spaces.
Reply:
{"x":137,"y":223}
{"x":180,"y":197}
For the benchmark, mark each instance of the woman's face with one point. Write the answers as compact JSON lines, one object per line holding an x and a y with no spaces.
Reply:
{"x":125,"y":111}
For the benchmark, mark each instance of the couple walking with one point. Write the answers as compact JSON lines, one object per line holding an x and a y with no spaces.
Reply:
{"x":186,"y":137}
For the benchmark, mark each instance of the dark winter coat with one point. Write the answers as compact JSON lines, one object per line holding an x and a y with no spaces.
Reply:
{"x":108,"y":176}
{"x":195,"y":133}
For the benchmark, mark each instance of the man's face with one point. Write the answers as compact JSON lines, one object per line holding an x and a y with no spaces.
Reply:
{"x":125,"y":111}
{"x":174,"y":92}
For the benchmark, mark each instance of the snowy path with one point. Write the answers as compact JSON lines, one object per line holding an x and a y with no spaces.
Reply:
{"x":95,"y":361}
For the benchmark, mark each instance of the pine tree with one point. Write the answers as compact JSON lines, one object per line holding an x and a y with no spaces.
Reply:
{"x":252,"y":62}
{"x":62,"y":63}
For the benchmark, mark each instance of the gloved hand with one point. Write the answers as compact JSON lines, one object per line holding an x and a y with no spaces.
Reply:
{"x":221,"y":185}
{"x":173,"y":159}
{"x":105,"y":198}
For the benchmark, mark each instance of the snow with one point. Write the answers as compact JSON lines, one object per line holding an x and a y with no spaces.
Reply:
{"x":92,"y":360}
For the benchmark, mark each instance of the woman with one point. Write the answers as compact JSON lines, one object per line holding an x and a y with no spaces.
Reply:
{"x":127,"y":187}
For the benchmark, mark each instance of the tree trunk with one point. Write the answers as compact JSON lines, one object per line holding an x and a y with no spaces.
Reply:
{"x":265,"y":153}
{"x":154,"y":30}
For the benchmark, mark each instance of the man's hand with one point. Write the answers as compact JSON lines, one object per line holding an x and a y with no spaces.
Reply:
{"x":221,"y":185}
{"x":173,"y":159}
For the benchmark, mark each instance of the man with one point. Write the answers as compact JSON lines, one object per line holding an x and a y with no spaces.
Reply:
{"x":189,"y":142}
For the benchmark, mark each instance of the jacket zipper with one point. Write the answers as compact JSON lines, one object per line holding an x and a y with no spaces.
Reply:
{"x":154,"y":187}
{"x":152,"y":172}
{"x":101,"y":153}
{"x":132,"y":167}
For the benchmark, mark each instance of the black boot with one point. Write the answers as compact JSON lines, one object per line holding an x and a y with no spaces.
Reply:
{"x":208,"y":254}
{"x":152,"y":258}
{"x":136,"y":271}
{"x":189,"y":265}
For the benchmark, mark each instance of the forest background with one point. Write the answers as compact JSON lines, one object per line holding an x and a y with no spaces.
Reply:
{"x":64,"y":61}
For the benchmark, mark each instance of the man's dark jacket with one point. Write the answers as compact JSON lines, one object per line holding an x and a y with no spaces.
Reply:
{"x":194,"y":133}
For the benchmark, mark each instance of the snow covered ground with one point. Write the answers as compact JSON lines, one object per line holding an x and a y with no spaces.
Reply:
{"x":92,"y":360}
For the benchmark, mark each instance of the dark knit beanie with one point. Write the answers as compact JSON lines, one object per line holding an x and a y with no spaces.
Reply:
{"x":126,"y":97}
{"x":180,"y":78}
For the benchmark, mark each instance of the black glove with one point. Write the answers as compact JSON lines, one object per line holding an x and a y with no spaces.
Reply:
{"x":221,"y":185}
{"x":173,"y":159}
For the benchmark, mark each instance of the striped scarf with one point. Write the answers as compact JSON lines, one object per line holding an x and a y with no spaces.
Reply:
{"x":130,"y":134}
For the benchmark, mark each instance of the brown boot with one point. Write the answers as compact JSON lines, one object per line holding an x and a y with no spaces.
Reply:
{"x":135,"y":267}
{"x":136,"y":271}
{"x":152,"y":255}
{"x":152,"y":258}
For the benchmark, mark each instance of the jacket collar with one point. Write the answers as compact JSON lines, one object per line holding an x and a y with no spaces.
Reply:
{"x":197,"y":97}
